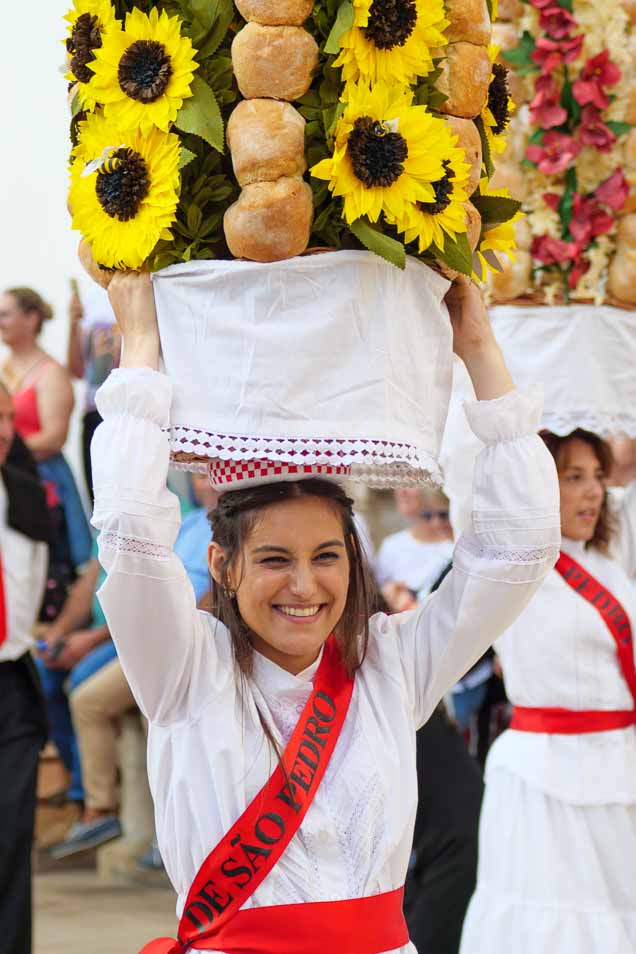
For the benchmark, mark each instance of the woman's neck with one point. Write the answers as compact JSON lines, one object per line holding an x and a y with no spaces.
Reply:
{"x":22,"y":360}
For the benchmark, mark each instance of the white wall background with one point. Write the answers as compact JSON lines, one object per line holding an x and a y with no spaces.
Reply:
{"x":37,"y":246}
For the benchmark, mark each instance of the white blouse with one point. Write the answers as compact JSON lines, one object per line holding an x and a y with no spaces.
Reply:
{"x":559,"y":652}
{"x":207,"y":754}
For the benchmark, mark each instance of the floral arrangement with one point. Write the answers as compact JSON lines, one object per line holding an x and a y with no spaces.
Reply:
{"x":575,"y":56}
{"x":152,"y":87}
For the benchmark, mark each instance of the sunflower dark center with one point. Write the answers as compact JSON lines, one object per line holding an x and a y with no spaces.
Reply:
{"x":443,"y":189}
{"x":144,"y":71}
{"x":122,"y":184}
{"x":84,"y":39}
{"x":499,"y":98}
{"x":376,"y":153}
{"x":391,"y":22}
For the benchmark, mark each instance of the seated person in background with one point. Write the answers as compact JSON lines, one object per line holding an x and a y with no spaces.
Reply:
{"x":77,"y":645}
{"x":418,"y":555}
{"x":98,"y":702}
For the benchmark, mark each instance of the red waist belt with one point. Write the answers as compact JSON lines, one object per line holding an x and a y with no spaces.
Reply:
{"x":360,"y":926}
{"x":570,"y":721}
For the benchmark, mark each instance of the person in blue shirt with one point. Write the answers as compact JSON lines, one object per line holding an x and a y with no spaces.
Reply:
{"x":101,"y":696}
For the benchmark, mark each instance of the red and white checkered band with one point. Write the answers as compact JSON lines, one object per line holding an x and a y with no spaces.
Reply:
{"x":228,"y":474}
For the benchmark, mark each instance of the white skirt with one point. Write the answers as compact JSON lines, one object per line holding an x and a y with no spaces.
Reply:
{"x":553,"y":878}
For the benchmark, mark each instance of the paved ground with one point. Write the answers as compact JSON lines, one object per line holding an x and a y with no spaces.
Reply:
{"x":76,"y":914}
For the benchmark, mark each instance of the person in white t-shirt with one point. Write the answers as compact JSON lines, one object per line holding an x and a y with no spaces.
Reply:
{"x":418,"y":555}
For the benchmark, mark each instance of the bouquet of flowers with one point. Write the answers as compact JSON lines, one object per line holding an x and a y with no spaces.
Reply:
{"x":204,"y":129}
{"x":574,"y":151}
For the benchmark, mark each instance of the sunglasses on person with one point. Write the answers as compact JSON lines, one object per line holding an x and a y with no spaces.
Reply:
{"x":431,"y":514}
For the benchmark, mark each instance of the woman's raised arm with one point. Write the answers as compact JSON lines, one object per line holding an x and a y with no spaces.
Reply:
{"x":164,"y":645}
{"x":515,"y":535}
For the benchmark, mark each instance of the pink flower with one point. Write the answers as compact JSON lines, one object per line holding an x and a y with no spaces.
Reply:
{"x":597,"y":73}
{"x":614,"y":191}
{"x":541,"y":4}
{"x":550,"y":54}
{"x":594,"y":132}
{"x":578,"y":270}
{"x":555,"y":155}
{"x":552,"y":251}
{"x":545,"y":109}
{"x":552,"y":200}
{"x":602,"y":69}
{"x":589,"y":220}
{"x":557,"y":22}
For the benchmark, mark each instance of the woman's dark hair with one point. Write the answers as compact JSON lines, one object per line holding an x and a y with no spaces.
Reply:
{"x":605,"y":528}
{"x":232,"y":522}
{"x":29,"y":300}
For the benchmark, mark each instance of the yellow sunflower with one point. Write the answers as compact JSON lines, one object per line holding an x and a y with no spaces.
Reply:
{"x":144,"y":71}
{"x":387,"y":153}
{"x":124,"y":190}
{"x":391,"y":40}
{"x":429,"y":222}
{"x":87,"y":20}
{"x":499,"y":107}
{"x":497,"y":240}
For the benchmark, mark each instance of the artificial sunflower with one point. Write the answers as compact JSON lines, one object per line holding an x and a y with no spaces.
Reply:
{"x":88,"y":21}
{"x":124,"y":190}
{"x":387,"y":153}
{"x":143,"y":71}
{"x":498,"y":238}
{"x":499,"y":106}
{"x":391,"y":40}
{"x":430,"y":221}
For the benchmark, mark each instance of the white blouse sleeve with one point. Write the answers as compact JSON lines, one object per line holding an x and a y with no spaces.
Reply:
{"x":623,"y":547}
{"x":498,"y":564}
{"x":162,"y":641}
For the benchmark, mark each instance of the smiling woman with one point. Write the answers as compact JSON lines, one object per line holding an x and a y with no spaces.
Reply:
{"x":294,"y":668}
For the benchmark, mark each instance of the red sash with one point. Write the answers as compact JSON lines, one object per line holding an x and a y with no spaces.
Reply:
{"x":211,"y":918}
{"x":573,"y":721}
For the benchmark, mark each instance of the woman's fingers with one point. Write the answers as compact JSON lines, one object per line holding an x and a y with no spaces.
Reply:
{"x":100,"y":275}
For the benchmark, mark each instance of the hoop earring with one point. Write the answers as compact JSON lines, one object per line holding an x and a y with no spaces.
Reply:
{"x":231,"y":594}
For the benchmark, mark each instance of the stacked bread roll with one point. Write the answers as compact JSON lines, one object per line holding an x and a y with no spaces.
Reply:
{"x":465,"y":79}
{"x":274,"y":59}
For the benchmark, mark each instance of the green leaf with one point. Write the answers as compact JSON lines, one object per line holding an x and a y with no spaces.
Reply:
{"x":569,"y":102}
{"x":619,"y":129}
{"x":212,"y":41}
{"x":521,"y":55}
{"x":495,"y":209}
{"x":486,"y":152}
{"x":457,"y":254}
{"x":379,"y":243}
{"x":566,"y":205}
{"x":194,"y":219}
{"x":186,"y":157}
{"x":201,"y":115}
{"x":344,"y":21}
{"x":76,"y":105}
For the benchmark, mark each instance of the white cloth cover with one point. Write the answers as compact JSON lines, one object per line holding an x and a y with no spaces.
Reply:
{"x":332,"y":358}
{"x":584,"y":355}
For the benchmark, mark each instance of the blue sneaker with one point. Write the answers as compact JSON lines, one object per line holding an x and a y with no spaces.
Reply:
{"x":86,"y":835}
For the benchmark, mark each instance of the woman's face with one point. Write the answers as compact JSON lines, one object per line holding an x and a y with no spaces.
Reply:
{"x":582,"y":487}
{"x":292,"y":579}
{"x":16,"y":325}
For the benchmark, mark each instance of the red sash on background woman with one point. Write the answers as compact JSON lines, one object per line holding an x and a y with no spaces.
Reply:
{"x":212,"y":919}
{"x":574,"y":721}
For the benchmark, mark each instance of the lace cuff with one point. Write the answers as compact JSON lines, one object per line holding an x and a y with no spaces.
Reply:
{"x":124,"y":543}
{"x":516,"y":414}
{"x":136,"y":392}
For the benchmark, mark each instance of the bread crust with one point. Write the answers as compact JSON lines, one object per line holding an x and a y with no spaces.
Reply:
{"x":465,"y":79}
{"x":469,"y":140}
{"x":275,"y":62}
{"x":469,"y":21}
{"x":515,"y":279}
{"x":275,"y":12}
{"x":270,"y":221}
{"x":266,"y":138}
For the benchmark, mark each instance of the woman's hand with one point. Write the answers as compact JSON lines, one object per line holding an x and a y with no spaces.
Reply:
{"x":133,"y":302}
{"x":474,"y":341}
